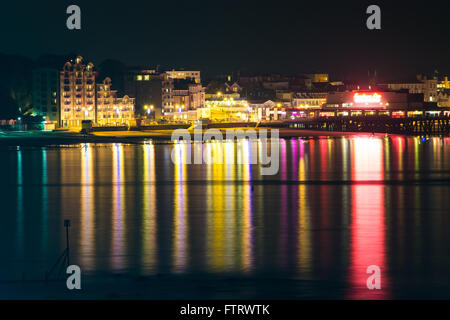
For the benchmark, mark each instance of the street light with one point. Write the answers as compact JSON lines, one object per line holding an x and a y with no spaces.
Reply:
{"x":149,"y":110}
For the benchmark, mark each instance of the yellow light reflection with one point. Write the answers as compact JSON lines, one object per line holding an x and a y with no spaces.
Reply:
{"x":149,"y":223}
{"x":118,"y":219}
{"x":216,"y":212}
{"x":229,"y":209}
{"x":416,"y":157}
{"x":180,"y":219}
{"x":230,"y":206}
{"x":247,"y":212}
{"x":87,"y":248}
{"x":304,"y":221}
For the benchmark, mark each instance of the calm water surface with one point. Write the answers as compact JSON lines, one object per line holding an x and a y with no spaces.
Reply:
{"x":337,"y":206}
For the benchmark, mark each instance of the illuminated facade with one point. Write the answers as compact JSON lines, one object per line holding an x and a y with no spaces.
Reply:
{"x":220,"y":95}
{"x":443,"y":98}
{"x":387,"y":103}
{"x":268,"y":110}
{"x":77,"y":83}
{"x":367,"y":100}
{"x":233,"y":87}
{"x":82,"y":99}
{"x":228,"y":109}
{"x":180,"y":95}
{"x":318,"y":77}
{"x":184,"y":75}
{"x":111,"y":110}
{"x":443,"y":84}
{"x":309,"y":100}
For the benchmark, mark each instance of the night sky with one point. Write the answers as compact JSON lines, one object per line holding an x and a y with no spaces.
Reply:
{"x":225,"y":36}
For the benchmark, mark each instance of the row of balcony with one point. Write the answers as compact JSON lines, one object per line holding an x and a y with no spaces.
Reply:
{"x":70,"y":110}
{"x":68,"y":89}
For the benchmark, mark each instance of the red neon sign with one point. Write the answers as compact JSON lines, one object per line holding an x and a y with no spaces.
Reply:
{"x":366,"y":98}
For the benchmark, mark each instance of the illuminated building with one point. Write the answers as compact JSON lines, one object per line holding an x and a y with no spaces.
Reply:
{"x":443,"y":88}
{"x":77,"y":85}
{"x":443,"y":84}
{"x":443,"y":98}
{"x":318,"y":77}
{"x":228,"y":109}
{"x":188,"y":115}
{"x":269,"y":110}
{"x":233,"y":87}
{"x":368,"y":102}
{"x":309,"y":100}
{"x":111,"y":110}
{"x":184,"y":75}
{"x":181,"y":95}
{"x":222,"y":95}
{"x":82,"y":99}
{"x":45,"y":94}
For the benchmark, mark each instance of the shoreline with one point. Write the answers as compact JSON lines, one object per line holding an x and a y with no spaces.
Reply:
{"x":48,"y":138}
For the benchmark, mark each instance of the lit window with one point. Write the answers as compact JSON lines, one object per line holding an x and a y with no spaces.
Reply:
{"x":146,"y":77}
{"x":139,"y":78}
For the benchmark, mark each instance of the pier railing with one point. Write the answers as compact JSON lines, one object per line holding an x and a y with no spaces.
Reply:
{"x":381,"y":124}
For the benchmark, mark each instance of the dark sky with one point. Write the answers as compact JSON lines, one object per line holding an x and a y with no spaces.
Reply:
{"x":222,"y":36}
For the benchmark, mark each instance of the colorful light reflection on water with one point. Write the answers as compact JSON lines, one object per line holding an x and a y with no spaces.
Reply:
{"x":336,"y":206}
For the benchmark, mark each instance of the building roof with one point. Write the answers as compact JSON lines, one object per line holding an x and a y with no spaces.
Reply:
{"x":405,"y":82}
{"x":182,"y":84}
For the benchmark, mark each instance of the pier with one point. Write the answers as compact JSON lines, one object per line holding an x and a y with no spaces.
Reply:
{"x":422,"y":125}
